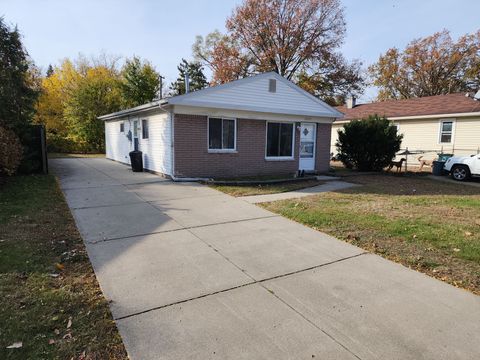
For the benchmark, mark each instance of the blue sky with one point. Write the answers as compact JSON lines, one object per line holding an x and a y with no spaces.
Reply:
{"x":163,"y":31}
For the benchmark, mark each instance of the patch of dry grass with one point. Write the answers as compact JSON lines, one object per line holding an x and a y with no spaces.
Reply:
{"x":262,"y":189}
{"x":430,"y":226}
{"x":51,"y":301}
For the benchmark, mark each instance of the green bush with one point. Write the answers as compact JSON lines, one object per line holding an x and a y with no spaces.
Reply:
{"x":11,"y":151}
{"x":369,"y":144}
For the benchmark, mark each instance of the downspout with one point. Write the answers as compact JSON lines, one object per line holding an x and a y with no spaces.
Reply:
{"x":172,"y":139}
{"x":172,"y":147}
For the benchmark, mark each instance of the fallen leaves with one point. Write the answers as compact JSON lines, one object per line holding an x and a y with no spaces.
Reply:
{"x":15,"y":345}
{"x":69,"y":324}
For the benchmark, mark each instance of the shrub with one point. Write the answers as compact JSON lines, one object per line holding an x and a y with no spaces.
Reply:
{"x":11,"y":151}
{"x":369,"y":144}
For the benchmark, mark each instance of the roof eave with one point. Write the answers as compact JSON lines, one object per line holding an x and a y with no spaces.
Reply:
{"x":419,"y":117}
{"x":134,"y":110}
{"x":256,"y":109}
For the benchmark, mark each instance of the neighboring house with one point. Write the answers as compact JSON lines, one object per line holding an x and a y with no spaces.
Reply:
{"x":261,"y":125}
{"x":432,"y":124}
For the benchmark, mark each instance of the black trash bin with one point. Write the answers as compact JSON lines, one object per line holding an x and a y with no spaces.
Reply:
{"x":136,"y":159}
{"x":437,"y":168}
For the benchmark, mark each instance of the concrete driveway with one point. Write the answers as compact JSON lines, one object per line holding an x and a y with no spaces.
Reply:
{"x":196,"y":274}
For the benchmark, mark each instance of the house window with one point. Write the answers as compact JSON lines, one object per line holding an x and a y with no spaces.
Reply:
{"x":122,"y":127}
{"x":446,"y":129}
{"x":144,"y":129}
{"x":280,"y":140}
{"x":221,"y":134}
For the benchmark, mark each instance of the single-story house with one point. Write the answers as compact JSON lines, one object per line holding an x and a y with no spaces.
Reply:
{"x":260,"y":125}
{"x":433,"y":124}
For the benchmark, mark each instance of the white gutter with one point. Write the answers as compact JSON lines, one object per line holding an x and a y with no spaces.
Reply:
{"x":415,"y":117}
{"x":435,"y":116}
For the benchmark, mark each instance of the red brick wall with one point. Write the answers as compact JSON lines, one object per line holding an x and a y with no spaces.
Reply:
{"x":192,"y":158}
{"x":322,"y":153}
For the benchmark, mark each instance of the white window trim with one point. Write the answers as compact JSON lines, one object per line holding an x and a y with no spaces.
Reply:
{"x":280,"y":158}
{"x":141,"y":128}
{"x":220,"y":151}
{"x":440,"y":126}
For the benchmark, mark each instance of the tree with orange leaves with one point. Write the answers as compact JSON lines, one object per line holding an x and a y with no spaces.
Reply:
{"x":433,"y":65}
{"x":299,"y":39}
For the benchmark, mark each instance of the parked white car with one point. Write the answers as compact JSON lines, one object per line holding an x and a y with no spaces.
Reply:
{"x":463,"y":167}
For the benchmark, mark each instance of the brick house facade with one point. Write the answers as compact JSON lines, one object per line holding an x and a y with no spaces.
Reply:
{"x":192,"y":158}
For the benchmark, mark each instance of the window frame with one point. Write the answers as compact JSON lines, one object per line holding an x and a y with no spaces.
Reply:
{"x":122,"y":127}
{"x":441,"y":132}
{"x":145,"y":121}
{"x":280,"y":158}
{"x":222,"y":150}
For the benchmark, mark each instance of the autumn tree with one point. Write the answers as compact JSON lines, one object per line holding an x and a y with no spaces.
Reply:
{"x":333,"y":79}
{"x":140,"y":82}
{"x":223,"y":55}
{"x":73,"y":97}
{"x":197,"y":78}
{"x":56,"y":89}
{"x":433,"y":65}
{"x":95,"y":92}
{"x":299,"y":39}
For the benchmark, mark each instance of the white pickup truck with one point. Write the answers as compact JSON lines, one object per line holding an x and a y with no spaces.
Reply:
{"x":463,"y":167}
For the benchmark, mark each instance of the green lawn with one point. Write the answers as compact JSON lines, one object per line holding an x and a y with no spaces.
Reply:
{"x":431,"y":226}
{"x":51,"y":301}
{"x":261,"y":189}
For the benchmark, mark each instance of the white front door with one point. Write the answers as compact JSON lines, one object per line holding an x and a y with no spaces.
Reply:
{"x":308,"y":137}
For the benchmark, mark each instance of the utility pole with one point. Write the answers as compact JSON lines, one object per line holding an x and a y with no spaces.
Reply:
{"x":160,"y":80}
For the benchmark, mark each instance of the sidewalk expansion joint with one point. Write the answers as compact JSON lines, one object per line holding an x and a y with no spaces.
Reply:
{"x":180,"y":229}
{"x":310,"y":321}
{"x":240,"y":286}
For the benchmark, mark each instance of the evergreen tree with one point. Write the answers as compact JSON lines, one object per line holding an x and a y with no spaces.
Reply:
{"x":140,"y":82}
{"x":18,"y":88}
{"x":196,"y":76}
{"x":369,"y":144}
{"x":50,"y":70}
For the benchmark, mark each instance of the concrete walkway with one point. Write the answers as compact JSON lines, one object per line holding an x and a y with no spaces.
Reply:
{"x":329,"y":186}
{"x":196,"y":274}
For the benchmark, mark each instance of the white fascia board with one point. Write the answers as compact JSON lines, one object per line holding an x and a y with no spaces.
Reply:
{"x":251,"y":115}
{"x":420,"y":117}
{"x":134,"y":110}
{"x":436,"y":116}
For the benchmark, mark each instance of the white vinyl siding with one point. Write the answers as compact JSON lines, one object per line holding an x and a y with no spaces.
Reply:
{"x":117,"y":145}
{"x":156,"y":148}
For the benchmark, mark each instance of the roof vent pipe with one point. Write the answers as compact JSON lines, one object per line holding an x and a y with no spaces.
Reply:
{"x":187,"y":83}
{"x":351,"y":102}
